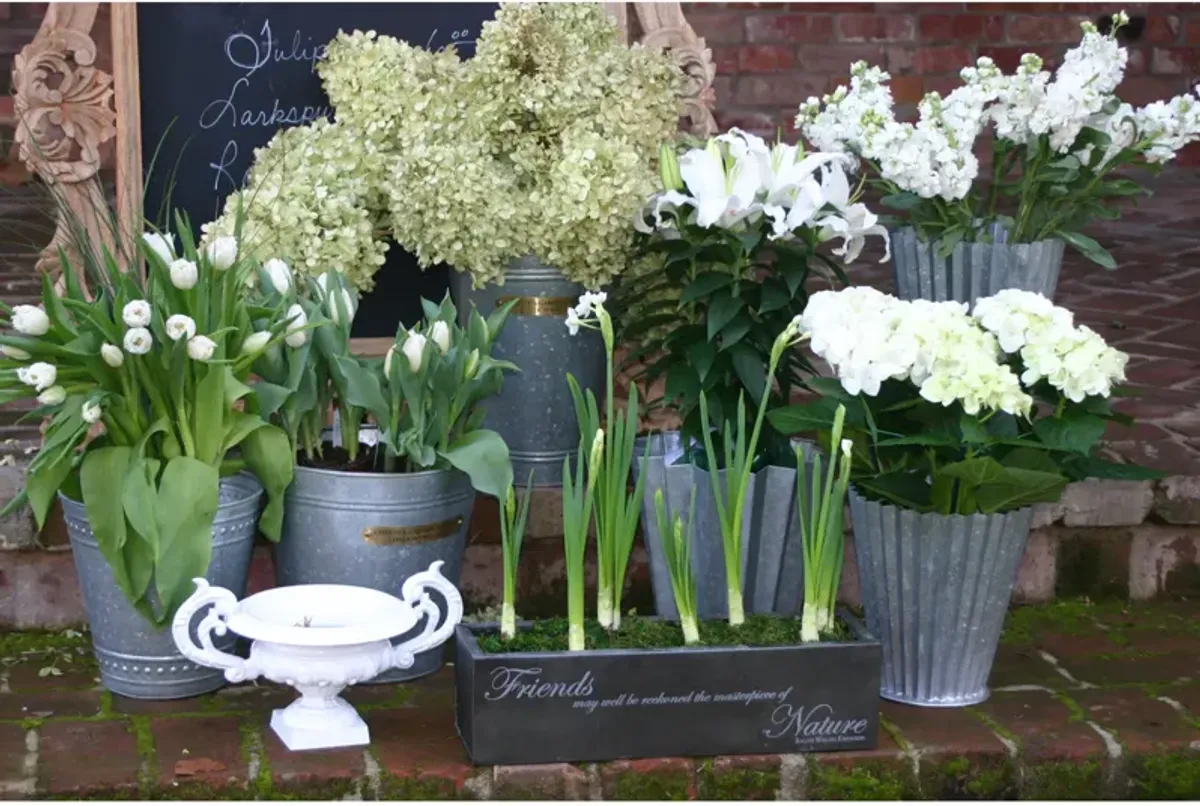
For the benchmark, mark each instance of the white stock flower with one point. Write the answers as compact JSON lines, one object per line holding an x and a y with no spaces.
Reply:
{"x":222,"y":252}
{"x":30,"y":320}
{"x":138,"y":341}
{"x":279,"y":273}
{"x":439,"y":333}
{"x":201,"y":348}
{"x":180,"y":327}
{"x":413,"y":349}
{"x":162,"y":245}
{"x":184,"y":274}
{"x":256,"y":342}
{"x":52,"y":396}
{"x":112,"y":355}
{"x":15,"y":353}
{"x":136,"y":313}
{"x":297,"y":319}
{"x":40,"y":375}
{"x":91,"y":412}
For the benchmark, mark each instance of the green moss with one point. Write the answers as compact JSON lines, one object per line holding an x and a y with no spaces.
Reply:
{"x":644,"y":633}
{"x":148,"y":771}
{"x":862,"y":782}
{"x":1075,"y":712}
{"x":1069,"y":616}
{"x":252,"y":750}
{"x":1171,"y":776}
{"x":995,"y":726}
{"x":1064,"y":780}
{"x":20,"y":642}
{"x":959,"y":778}
{"x":655,"y":785}
{"x":736,"y":784}
{"x":415,"y":788}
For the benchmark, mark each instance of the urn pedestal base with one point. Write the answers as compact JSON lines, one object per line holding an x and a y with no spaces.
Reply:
{"x":309,"y":725}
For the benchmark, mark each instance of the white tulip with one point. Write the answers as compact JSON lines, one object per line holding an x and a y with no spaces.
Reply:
{"x":15,"y":353}
{"x":280,"y":274}
{"x":297,"y":319}
{"x":52,"y":396}
{"x":40,"y":376}
{"x":440,"y":333}
{"x":387,"y":361}
{"x":138,"y":341}
{"x":184,"y":274}
{"x":180,"y":327}
{"x":136,"y":313}
{"x":30,"y":320}
{"x":255,"y":342}
{"x":112,"y":355}
{"x":200,"y":348}
{"x":91,"y":412}
{"x":161,"y":245}
{"x":222,"y":252}
{"x":413,"y":349}
{"x":331,"y":302}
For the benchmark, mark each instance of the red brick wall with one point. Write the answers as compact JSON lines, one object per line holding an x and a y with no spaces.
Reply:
{"x":772,"y":56}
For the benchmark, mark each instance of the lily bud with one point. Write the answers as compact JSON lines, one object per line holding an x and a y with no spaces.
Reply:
{"x":668,"y":167}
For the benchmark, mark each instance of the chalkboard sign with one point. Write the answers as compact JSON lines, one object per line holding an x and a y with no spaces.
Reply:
{"x":218,"y":80}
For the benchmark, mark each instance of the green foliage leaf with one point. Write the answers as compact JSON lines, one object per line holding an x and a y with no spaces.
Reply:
{"x":1090,"y":249}
{"x":483,"y":456}
{"x":751,"y":370}
{"x":704,"y":285}
{"x":268,"y":454}
{"x":188,"y":495}
{"x":102,"y":477}
{"x":1076,"y":431}
{"x":721,"y":312}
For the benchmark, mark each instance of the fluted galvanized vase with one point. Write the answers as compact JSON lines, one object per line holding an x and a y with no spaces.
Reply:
{"x":136,"y":658}
{"x":375,"y":530}
{"x":534,"y":412}
{"x":973,"y":270}
{"x":772,"y":549}
{"x":935,"y":589}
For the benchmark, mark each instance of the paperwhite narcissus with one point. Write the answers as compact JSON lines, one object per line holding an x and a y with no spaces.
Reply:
{"x":222,"y":252}
{"x":201,"y":348}
{"x":15,"y":353}
{"x":180,"y":327}
{"x":280,"y":274}
{"x":160,"y":245}
{"x":91,"y":412}
{"x":112,"y":355}
{"x":30,"y":320}
{"x":138,"y":341}
{"x":414,"y":349}
{"x":40,"y":376}
{"x":136,"y":313}
{"x":184,"y":274}
{"x":52,"y":396}
{"x":255,"y":342}
{"x":297,"y":319}
{"x":331,"y":301}
{"x":440,"y":333}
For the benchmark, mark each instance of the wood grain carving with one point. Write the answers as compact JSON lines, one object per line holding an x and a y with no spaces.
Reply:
{"x":63,"y":106}
{"x":664,"y":26}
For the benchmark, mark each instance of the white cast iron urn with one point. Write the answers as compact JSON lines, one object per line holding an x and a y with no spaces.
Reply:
{"x":319,"y":639}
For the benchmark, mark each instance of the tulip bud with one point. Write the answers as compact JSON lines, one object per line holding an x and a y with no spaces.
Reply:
{"x":52,"y":396}
{"x":255,"y":342}
{"x":414,"y":350}
{"x":387,"y":361}
{"x":136,"y":313}
{"x":91,"y":412}
{"x":222,"y":252}
{"x":112,"y":355}
{"x":472,"y":364}
{"x":40,"y":376}
{"x":161,"y":245}
{"x":668,"y":167}
{"x":30,"y":320}
{"x":280,"y":274}
{"x":297,"y":319}
{"x":184,"y":274}
{"x":201,"y":348}
{"x":15,"y":353}
{"x":138,"y":341}
{"x":440,"y":333}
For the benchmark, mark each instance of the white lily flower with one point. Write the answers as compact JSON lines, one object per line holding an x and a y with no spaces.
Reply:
{"x":138,"y":341}
{"x":30,"y":320}
{"x":721,"y":198}
{"x":136,"y":313}
{"x":807,"y":203}
{"x":112,"y":355}
{"x":180,"y":327}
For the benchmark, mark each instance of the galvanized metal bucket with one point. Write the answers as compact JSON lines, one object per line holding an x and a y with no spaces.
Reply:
{"x":772,"y":550}
{"x":137,"y":659}
{"x":375,"y":530}
{"x":534,"y":412}
{"x":935,"y":589}
{"x":973,"y":270}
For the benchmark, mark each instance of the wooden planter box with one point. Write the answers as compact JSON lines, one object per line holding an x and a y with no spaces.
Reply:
{"x":599,"y":705}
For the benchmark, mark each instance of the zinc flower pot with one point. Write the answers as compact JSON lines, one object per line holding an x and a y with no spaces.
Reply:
{"x":375,"y":530}
{"x":533,"y":411}
{"x":772,"y":549}
{"x":137,"y":659}
{"x":973,"y":270}
{"x":935,"y":590}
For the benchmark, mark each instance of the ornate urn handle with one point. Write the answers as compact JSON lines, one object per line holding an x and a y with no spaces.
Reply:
{"x":415,"y":594}
{"x":223,"y":603}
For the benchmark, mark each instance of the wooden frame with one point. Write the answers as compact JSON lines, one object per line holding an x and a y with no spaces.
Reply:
{"x":68,"y":108}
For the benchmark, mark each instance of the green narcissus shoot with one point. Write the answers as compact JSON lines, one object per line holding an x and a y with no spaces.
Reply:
{"x":513,"y":518}
{"x":676,"y":548}
{"x":820,"y":510}
{"x":577,"y":498}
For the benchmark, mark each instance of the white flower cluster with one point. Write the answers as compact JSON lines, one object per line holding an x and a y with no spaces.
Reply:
{"x":1074,"y":360}
{"x":868,"y":337}
{"x":586,"y":311}
{"x":737,"y":180}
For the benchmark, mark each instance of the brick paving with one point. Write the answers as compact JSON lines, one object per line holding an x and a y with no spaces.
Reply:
{"x":1089,"y":701}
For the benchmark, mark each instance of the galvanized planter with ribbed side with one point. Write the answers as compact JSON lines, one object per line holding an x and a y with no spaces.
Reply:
{"x":935,"y":589}
{"x":534,"y":411}
{"x":136,"y":659}
{"x":973,"y":270}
